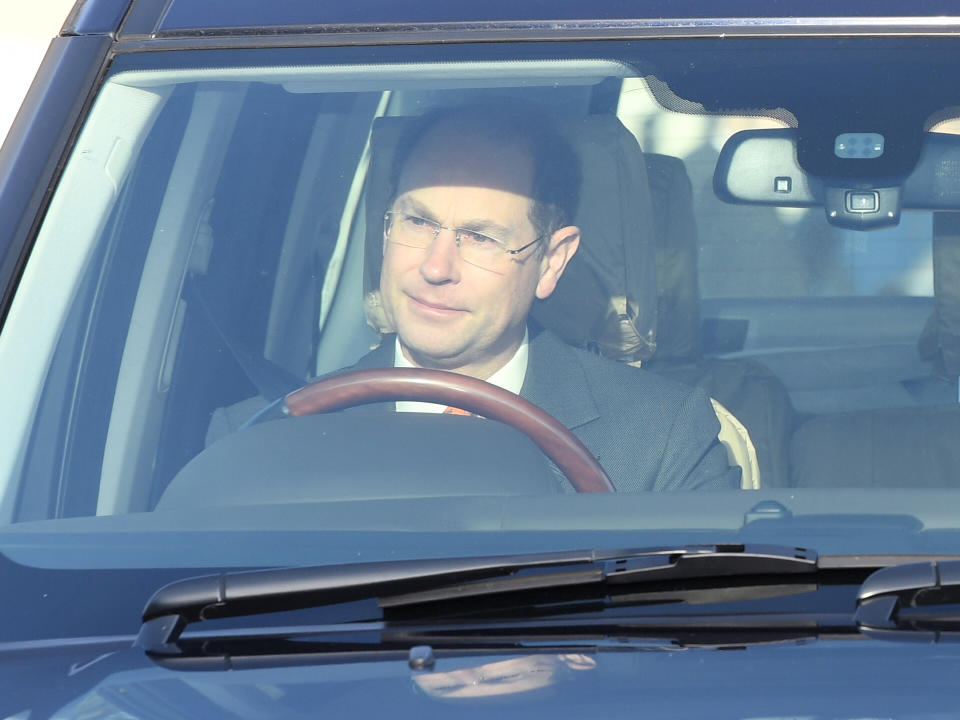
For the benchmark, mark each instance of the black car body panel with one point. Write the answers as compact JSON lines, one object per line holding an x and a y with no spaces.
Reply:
{"x":828,"y":677}
{"x":76,"y":573}
{"x":32,"y":154}
{"x":183,"y":15}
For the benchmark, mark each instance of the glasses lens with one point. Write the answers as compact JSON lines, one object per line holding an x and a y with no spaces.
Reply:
{"x":410,"y":230}
{"x":479,"y":249}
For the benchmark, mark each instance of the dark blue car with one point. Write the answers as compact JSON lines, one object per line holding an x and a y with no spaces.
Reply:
{"x":483,"y":360}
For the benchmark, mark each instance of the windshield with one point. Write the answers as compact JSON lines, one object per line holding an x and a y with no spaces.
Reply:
{"x":727,"y":270}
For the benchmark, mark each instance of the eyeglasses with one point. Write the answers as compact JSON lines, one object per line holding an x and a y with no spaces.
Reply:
{"x":475,"y":247}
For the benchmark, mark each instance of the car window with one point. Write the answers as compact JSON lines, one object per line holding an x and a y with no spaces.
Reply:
{"x":217,"y":240}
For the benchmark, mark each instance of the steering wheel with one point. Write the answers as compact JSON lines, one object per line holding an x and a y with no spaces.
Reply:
{"x":361,"y":387}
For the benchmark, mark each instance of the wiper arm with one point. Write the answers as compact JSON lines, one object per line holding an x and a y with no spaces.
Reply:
{"x":413,"y":581}
{"x":919,"y":597}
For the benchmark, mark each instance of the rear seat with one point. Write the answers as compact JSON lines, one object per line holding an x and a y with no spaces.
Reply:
{"x":917,"y":446}
{"x":912,"y":447}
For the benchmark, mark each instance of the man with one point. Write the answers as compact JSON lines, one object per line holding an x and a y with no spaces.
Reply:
{"x":479,"y":227}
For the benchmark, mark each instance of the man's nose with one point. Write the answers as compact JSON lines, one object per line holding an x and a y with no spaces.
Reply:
{"x":442,"y":262}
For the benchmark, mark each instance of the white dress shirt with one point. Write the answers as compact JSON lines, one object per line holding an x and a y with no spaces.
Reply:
{"x":509,"y":377}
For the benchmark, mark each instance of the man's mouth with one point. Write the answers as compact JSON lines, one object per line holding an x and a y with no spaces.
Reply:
{"x":432,"y":307}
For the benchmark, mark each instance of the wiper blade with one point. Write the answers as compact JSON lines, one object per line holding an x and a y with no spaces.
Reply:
{"x":415,"y":581}
{"x":661,"y":566}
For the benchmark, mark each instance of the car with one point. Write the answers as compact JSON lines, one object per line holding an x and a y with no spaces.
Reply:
{"x":208,"y":507}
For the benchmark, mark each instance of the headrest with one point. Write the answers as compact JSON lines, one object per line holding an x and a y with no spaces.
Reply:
{"x":606,"y":298}
{"x":678,"y":290}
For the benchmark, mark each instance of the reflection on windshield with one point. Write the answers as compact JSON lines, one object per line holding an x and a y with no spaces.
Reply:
{"x":504,"y":677}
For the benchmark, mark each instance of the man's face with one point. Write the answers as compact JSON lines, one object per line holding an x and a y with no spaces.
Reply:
{"x":448,"y":313}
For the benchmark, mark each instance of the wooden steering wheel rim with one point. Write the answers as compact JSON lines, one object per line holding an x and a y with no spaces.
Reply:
{"x":361,"y":387}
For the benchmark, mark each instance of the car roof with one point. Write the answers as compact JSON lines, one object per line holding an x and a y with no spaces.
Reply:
{"x":192,"y":17}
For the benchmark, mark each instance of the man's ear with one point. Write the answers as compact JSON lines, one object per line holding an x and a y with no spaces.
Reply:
{"x":562,"y":246}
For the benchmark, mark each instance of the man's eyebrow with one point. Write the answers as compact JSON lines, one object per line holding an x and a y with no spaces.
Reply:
{"x":410,"y":205}
{"x":487,"y":227}
{"x":480,"y":225}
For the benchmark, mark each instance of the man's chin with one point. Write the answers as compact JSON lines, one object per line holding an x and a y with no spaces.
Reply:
{"x":438,"y":353}
{"x":434,"y":358}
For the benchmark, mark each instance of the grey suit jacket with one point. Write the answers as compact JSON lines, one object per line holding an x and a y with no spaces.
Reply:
{"x":648,"y":432}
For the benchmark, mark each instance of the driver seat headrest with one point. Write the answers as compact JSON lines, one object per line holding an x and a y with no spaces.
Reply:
{"x":607,"y":297}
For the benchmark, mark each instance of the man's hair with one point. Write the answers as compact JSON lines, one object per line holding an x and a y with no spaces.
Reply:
{"x":555,"y":190}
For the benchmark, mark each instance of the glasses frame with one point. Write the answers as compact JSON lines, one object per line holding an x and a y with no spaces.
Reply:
{"x":437,"y":227}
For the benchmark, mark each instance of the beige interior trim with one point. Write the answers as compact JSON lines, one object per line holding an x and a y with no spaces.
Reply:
{"x":740,"y":450}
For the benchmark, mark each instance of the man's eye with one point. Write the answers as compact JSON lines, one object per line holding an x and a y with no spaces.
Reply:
{"x":418,"y":222}
{"x":474,"y":238}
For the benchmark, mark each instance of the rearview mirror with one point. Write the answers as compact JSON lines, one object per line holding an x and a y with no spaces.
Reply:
{"x":760,"y":167}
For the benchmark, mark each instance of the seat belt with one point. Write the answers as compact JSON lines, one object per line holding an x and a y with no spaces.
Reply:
{"x":270,"y":380}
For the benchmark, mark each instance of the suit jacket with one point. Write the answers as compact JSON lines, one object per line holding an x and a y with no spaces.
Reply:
{"x":648,"y":432}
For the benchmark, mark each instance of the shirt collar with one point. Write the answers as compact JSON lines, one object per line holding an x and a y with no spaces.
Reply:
{"x":509,"y":377}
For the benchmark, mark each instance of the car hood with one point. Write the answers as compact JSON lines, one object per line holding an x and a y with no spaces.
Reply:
{"x":811,"y":676}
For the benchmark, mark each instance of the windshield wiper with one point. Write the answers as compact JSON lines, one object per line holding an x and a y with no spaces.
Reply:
{"x":921,"y":598}
{"x":406,"y":582}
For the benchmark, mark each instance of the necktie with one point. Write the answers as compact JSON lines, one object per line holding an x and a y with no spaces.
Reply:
{"x":456,"y":411}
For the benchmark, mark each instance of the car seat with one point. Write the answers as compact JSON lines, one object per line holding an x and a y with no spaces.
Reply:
{"x":902,"y":446}
{"x":886,"y":448}
{"x":607,"y":297}
{"x":763,"y":413}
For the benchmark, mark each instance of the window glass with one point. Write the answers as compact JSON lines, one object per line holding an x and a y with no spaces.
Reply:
{"x":232,"y":226}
